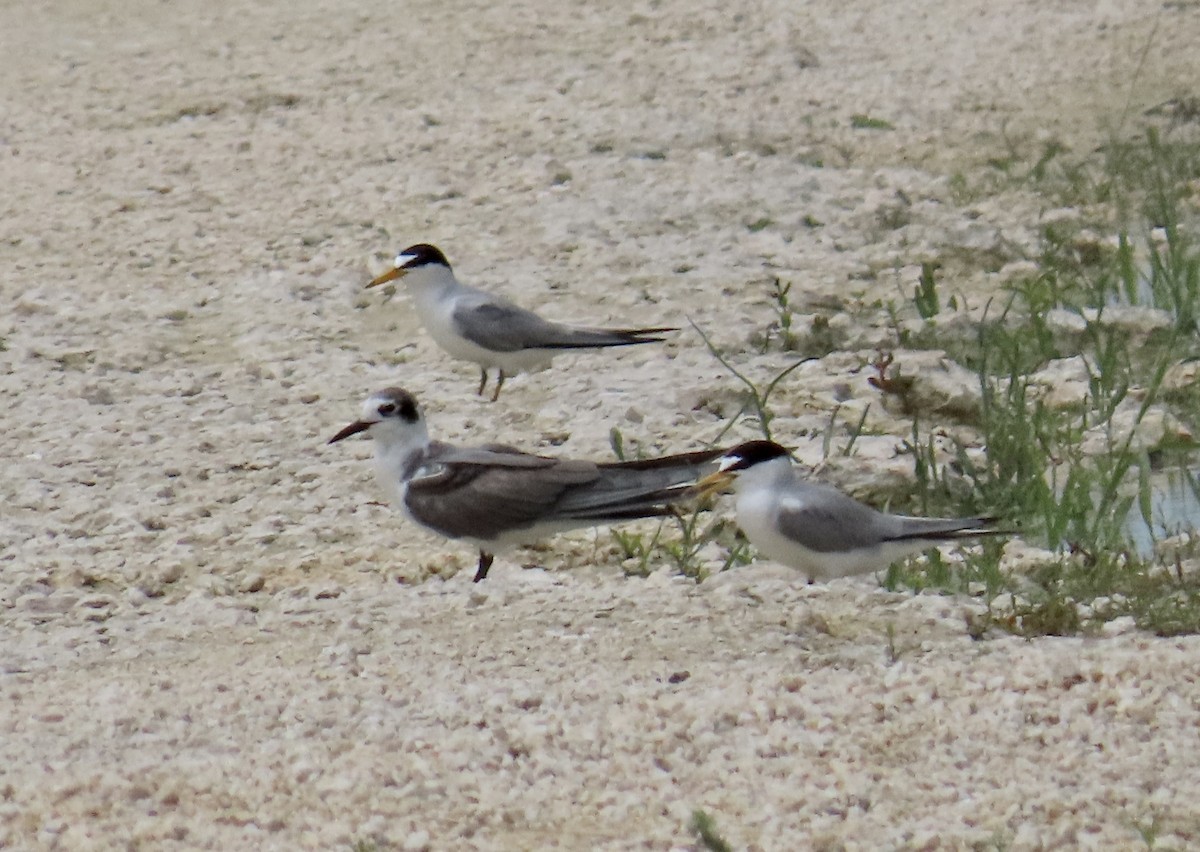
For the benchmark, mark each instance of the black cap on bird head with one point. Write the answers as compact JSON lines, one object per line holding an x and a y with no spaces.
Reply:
{"x":747,"y":455}
{"x":422,"y":254}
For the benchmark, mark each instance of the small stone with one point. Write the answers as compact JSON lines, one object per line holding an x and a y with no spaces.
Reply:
{"x":559,"y":174}
{"x":932,"y":383}
{"x":1131,"y":319}
{"x":99,"y":395}
{"x":1181,"y":376}
{"x":36,"y":602}
{"x":1119,"y":626}
{"x":254,"y":583}
{"x":170,"y":573}
{"x":1065,"y":323}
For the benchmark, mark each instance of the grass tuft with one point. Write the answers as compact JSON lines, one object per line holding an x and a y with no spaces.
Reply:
{"x":757,"y":396}
{"x":705,"y":829}
{"x":1079,"y":476}
{"x":861,"y":121}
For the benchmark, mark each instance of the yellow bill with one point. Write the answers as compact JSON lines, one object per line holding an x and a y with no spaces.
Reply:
{"x":714,"y":483}
{"x":391,"y":275}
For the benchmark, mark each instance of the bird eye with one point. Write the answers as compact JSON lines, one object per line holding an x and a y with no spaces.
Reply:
{"x":387,"y":408}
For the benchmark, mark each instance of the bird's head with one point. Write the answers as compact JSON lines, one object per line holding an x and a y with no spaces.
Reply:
{"x":421,"y":258}
{"x":748,"y":458}
{"x":391,"y":414}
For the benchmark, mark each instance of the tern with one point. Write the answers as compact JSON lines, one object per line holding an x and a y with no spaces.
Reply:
{"x":489,"y":330}
{"x":495,"y":496}
{"x":818,"y":529}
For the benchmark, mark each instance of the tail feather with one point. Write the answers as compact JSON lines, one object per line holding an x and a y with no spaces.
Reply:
{"x":942,"y":529}
{"x":626,"y":513}
{"x":694,"y":462}
{"x":592,"y":338}
{"x":639,"y":488}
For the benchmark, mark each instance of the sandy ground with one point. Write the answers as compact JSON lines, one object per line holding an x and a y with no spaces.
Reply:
{"x":213,"y":639}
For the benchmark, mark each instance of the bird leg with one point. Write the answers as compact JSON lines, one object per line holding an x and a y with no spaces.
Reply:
{"x":485,"y":562}
{"x":482,"y":381}
{"x":499,"y":384}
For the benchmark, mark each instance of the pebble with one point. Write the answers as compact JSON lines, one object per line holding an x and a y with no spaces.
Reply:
{"x":418,"y":841}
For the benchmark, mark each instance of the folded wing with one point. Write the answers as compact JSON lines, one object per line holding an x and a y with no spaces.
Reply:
{"x":826,"y":521}
{"x":483,"y":493}
{"x":501,"y":326}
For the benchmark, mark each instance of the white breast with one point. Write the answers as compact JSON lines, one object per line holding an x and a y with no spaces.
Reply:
{"x":436,"y":315}
{"x":435,"y":307}
{"x":758,"y":514}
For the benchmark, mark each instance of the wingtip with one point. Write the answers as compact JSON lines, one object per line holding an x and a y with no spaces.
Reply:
{"x":641,"y":332}
{"x":581,"y":337}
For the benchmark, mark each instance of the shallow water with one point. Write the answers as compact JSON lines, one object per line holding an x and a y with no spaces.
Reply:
{"x":1174,"y":508}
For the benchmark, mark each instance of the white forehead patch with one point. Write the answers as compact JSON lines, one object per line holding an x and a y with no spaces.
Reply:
{"x":402,"y":259}
{"x":371,"y":407}
{"x":728,"y":462}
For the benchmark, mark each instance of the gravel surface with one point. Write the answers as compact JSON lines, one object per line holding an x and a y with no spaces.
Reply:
{"x":215,"y":638}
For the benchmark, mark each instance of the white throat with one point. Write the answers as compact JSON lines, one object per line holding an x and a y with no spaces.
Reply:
{"x":396,"y":443}
{"x":433,"y":282}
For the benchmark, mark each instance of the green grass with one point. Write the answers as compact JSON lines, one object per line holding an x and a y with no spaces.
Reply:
{"x":757,"y":396}
{"x":925,"y":296}
{"x":695,"y":527}
{"x":819,"y":340}
{"x":705,"y":829}
{"x":694,"y":530}
{"x":854,"y":433}
{"x":1071,"y":475}
{"x":784,"y":315}
{"x":861,"y":121}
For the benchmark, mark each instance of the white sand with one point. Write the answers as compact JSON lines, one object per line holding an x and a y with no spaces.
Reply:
{"x":205,"y":643}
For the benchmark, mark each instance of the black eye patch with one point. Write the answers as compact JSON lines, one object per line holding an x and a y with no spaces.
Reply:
{"x":386,"y":408}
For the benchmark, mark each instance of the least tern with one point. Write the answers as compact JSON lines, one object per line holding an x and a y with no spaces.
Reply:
{"x":495,"y":496}
{"x":816,"y":528}
{"x":490,"y":330}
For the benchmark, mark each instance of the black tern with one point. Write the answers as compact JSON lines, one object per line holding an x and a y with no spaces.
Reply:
{"x":495,"y":496}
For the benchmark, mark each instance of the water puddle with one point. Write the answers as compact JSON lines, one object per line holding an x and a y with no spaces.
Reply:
{"x":1174,"y":508}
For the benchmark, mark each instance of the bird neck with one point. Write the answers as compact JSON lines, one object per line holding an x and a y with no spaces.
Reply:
{"x":398,"y":451}
{"x":431,"y":283}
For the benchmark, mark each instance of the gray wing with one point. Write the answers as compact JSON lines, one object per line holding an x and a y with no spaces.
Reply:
{"x":494,"y":455}
{"x":484,"y":492}
{"x":501,"y":326}
{"x":484,"y":500}
{"x":827,"y":521}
